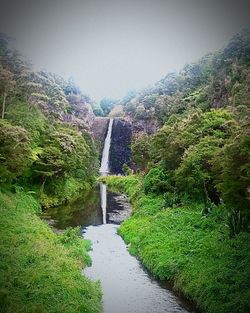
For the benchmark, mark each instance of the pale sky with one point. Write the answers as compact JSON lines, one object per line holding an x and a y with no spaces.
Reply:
{"x":111,"y":47}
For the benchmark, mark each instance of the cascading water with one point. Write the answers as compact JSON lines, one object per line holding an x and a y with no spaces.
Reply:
{"x":126,"y":287}
{"x":104,"y":170}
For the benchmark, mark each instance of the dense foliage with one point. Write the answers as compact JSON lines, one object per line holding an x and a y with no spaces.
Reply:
{"x":219,"y":79}
{"x":203,"y":144}
{"x":191,"y":202}
{"x":191,"y":198}
{"x":106,"y":105}
{"x":47,"y":155}
{"x":44,"y":146}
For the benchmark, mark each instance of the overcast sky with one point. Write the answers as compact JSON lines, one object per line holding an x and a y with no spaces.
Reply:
{"x":110,"y":47}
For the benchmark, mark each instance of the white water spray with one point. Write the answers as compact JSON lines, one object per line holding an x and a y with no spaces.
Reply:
{"x":105,"y":153}
{"x":104,"y":170}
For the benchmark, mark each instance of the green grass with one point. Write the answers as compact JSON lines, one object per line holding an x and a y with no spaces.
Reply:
{"x":39,"y":270}
{"x":192,"y":251}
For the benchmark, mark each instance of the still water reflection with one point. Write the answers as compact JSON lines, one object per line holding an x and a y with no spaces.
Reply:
{"x":87,"y":210}
{"x":127,"y":287}
{"x":83,"y":212}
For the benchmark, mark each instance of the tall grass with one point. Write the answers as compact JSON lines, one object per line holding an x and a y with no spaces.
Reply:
{"x":39,"y":270}
{"x":193,"y":251}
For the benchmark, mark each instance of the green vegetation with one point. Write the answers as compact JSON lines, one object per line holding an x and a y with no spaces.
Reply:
{"x":106,"y":105}
{"x":97,"y":109}
{"x":203,"y":156}
{"x":47,"y":157}
{"x":191,"y":200}
{"x":193,"y":251}
{"x":44,"y":147}
{"x":39,"y":270}
{"x":217,"y":80}
{"x":202,"y":148}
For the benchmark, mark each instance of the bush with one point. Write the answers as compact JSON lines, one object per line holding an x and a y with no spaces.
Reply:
{"x":232,"y":166}
{"x":15,"y":151}
{"x":141,"y":148}
{"x":171,"y":199}
{"x":156,"y":181}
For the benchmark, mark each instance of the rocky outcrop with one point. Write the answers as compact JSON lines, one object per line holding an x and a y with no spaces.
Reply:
{"x":148,"y":127}
{"x":120,"y":152}
{"x":99,"y":128}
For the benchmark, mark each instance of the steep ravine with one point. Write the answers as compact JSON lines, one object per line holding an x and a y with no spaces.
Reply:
{"x":127,"y":288}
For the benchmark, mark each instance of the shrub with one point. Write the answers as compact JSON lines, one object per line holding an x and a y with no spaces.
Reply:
{"x":156,"y":181}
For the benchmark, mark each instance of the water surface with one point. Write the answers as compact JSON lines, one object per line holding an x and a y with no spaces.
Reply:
{"x":127,"y":288}
{"x":87,"y":210}
{"x":83,"y":212}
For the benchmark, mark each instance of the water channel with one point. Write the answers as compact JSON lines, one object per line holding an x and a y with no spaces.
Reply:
{"x":127,"y":287}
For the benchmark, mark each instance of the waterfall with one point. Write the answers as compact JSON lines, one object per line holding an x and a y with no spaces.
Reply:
{"x":105,"y":153}
{"x":104,"y":170}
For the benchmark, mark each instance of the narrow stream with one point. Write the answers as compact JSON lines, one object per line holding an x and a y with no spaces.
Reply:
{"x":127,"y":287}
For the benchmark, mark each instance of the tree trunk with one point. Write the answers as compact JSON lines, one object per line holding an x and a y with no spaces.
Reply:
{"x":42,"y":186}
{"x":4,"y":102}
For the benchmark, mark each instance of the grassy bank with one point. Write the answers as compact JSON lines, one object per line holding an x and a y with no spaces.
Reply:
{"x":39,"y":270}
{"x":193,"y":251}
{"x":65,"y":191}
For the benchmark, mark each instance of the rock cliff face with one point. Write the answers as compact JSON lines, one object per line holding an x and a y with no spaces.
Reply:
{"x":148,"y":127}
{"x":99,"y":128}
{"x":120,"y":152}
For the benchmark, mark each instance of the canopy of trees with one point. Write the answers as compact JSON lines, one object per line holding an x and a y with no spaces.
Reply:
{"x":106,"y":105}
{"x":42,"y":145}
{"x":203,"y":145}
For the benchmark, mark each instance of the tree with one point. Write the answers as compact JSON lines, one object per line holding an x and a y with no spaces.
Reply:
{"x":15,"y":152}
{"x":173,"y":139}
{"x":194,"y":175}
{"x":6,"y":85}
{"x":107,"y":104}
{"x":29,"y":117}
{"x":97,"y":109}
{"x":64,"y":152}
{"x":232,"y":166}
{"x":141,"y":148}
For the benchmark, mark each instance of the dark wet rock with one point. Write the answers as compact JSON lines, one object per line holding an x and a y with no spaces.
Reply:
{"x":118,"y":208}
{"x":120,"y":152}
{"x":99,"y":131}
{"x":142,"y":126}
